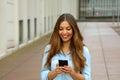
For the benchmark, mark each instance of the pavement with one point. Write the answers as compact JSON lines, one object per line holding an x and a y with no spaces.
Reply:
{"x":101,"y":39}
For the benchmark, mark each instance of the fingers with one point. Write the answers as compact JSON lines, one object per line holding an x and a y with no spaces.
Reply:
{"x":66,"y":69}
{"x":58,"y":69}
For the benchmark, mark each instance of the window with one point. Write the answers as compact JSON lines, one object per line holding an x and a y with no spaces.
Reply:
{"x":20,"y":31}
{"x":98,"y":7}
{"x":28,"y":29}
{"x":35,"y":27}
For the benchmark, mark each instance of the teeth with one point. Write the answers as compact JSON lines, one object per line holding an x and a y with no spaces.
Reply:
{"x":64,"y":36}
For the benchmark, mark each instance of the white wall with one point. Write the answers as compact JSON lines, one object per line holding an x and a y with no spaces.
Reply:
{"x":3,"y":26}
{"x":7,"y":26}
{"x":45,"y":11}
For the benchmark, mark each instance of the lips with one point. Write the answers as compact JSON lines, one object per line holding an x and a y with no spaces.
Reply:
{"x":65,"y":36}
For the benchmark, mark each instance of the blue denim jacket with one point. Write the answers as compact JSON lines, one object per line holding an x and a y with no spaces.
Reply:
{"x":44,"y":70}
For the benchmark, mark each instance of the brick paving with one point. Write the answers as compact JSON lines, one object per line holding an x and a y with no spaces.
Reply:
{"x":104,"y":45}
{"x":25,"y":63}
{"x":101,"y":39}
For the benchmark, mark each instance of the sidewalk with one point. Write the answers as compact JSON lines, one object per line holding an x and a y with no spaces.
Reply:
{"x":24,"y":64}
{"x":102,"y":41}
{"x":104,"y":45}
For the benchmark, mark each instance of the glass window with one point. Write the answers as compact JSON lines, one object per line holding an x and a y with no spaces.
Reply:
{"x":28,"y":29}
{"x":99,"y":8}
{"x":20,"y":31}
{"x":35,"y":27}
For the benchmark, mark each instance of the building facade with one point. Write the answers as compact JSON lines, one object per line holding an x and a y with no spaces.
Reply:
{"x":99,"y":8}
{"x":24,"y":21}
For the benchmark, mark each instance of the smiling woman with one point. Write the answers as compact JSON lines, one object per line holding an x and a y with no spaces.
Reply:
{"x":65,"y":31}
{"x":66,"y":45}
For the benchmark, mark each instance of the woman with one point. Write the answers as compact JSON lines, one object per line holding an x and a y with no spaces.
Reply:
{"x":66,"y":43}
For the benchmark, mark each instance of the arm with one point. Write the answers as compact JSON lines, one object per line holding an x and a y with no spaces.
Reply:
{"x":73,"y":74}
{"x":46,"y":73}
{"x":77,"y":76}
{"x":85,"y":74}
{"x":44,"y":70}
{"x":52,"y":74}
{"x":87,"y":70}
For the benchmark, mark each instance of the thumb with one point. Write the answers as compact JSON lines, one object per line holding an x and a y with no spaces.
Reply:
{"x":57,"y":65}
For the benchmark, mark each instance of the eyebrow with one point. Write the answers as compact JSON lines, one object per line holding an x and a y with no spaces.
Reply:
{"x":67,"y":26}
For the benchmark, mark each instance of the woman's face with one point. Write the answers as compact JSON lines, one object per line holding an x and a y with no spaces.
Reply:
{"x":65,"y":31}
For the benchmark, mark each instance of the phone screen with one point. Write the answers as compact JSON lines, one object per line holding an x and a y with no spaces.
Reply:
{"x":63,"y":62}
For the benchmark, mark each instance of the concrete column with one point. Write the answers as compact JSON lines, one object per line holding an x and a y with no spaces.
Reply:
{"x":10,"y":31}
{"x":3,"y":26}
{"x":16,"y":27}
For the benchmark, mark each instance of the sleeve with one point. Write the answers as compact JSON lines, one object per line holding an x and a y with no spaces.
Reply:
{"x":45,"y":70}
{"x":87,"y":70}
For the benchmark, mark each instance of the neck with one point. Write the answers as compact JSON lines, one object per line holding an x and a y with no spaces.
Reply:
{"x":66,"y":47}
{"x":66,"y":44}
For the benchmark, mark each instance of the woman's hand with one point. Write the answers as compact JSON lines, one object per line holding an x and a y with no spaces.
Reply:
{"x":58,"y":69}
{"x":67,"y":69}
{"x":52,"y":74}
{"x":74,"y":75}
{"x":64,"y":69}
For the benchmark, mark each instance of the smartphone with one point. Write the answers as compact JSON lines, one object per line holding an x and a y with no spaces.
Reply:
{"x":63,"y":63}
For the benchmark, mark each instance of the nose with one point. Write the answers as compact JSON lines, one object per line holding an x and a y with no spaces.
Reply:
{"x":64,"y":31}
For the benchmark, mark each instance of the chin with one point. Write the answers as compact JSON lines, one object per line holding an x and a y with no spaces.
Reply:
{"x":65,"y":40}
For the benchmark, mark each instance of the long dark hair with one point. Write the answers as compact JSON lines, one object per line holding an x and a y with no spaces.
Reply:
{"x":76,"y":45}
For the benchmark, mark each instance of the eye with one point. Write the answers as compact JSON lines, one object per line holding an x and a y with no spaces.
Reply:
{"x":60,"y":28}
{"x":69,"y":28}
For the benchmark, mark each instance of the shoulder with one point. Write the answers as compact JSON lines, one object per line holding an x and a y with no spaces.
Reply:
{"x":85,"y":48}
{"x":47,"y":48}
{"x":86,"y":51}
